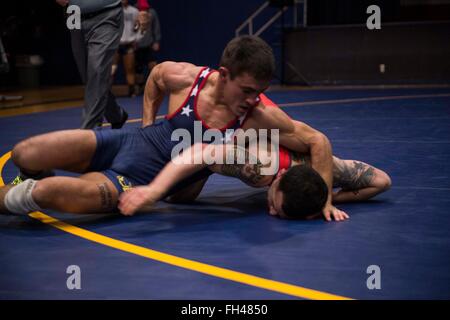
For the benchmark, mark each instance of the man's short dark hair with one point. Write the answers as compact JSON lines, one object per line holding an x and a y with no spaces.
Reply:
{"x":304,"y":192}
{"x":249,"y":54}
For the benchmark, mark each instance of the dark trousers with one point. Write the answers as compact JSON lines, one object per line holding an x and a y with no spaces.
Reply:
{"x":93,"y":48}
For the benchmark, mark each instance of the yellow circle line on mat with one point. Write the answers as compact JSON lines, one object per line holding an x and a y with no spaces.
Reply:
{"x":3,"y":161}
{"x":204,"y":268}
{"x":223,"y":273}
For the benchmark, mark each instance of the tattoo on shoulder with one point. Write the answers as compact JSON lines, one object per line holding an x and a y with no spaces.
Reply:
{"x":353,"y":176}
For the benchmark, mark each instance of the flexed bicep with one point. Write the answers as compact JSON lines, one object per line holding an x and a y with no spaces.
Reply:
{"x":165,"y":78}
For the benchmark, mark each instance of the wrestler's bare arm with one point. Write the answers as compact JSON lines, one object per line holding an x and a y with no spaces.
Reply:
{"x":357,"y":180}
{"x":166,"y":78}
{"x":245,"y":166}
{"x":142,"y":198}
{"x":234,"y":161}
{"x":189,"y":162}
{"x":249,"y":172}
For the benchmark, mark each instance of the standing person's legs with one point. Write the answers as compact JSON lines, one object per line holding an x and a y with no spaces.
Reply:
{"x":145,"y":61}
{"x":102,"y":34}
{"x":151,"y":64}
{"x":79,"y":51}
{"x":115,"y":65}
{"x":129,"y":66}
{"x":139,"y":64}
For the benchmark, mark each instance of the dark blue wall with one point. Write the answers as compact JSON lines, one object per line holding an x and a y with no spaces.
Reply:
{"x":353,"y":54}
{"x":194,"y":31}
{"x":197,"y":30}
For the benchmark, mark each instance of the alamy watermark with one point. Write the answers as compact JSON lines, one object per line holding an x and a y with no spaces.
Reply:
{"x":74,"y":280}
{"x":231,"y":147}
{"x":74,"y":17}
{"x":374,"y":280}
{"x":374,"y":20}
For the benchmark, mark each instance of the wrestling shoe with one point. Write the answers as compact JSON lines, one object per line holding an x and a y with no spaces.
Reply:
{"x":21,"y":177}
{"x":98,"y":126}
{"x":17,"y":180}
{"x":120,"y":124}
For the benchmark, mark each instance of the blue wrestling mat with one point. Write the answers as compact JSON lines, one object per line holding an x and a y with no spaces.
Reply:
{"x":226,"y":246}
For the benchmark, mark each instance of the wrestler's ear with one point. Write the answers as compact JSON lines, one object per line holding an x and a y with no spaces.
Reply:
{"x":224,"y":73}
{"x":281,"y":173}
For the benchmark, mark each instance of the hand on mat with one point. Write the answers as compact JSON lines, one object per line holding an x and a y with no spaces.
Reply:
{"x":136,"y":199}
{"x":331,"y":211}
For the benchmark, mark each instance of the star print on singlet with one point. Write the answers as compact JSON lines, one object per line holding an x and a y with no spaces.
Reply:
{"x":187,"y":110}
{"x":186,"y":115}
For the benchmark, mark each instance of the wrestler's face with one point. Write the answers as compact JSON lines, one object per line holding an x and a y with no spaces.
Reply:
{"x":241,"y":93}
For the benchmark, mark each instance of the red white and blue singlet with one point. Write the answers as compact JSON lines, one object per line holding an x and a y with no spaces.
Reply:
{"x":134,"y":156}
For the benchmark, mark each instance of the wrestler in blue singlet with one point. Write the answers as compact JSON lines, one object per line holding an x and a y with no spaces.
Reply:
{"x":134,"y":156}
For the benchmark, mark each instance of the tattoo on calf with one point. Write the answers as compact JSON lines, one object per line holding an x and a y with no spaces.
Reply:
{"x":353,"y":176}
{"x":105,"y":196}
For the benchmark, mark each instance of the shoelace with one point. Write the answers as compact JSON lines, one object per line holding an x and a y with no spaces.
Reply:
{"x":17,"y":180}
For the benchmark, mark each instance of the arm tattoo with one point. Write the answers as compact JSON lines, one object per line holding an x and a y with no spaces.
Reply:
{"x":352,"y":176}
{"x":105,"y":196}
{"x":248,"y":171}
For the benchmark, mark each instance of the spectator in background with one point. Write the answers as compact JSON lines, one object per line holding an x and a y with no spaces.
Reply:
{"x":93,"y":48}
{"x":127,"y":46}
{"x":148,"y":45}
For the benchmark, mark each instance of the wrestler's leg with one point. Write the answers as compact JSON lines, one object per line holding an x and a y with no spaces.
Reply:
{"x":358,"y":180}
{"x":90,"y":193}
{"x":70,"y":150}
